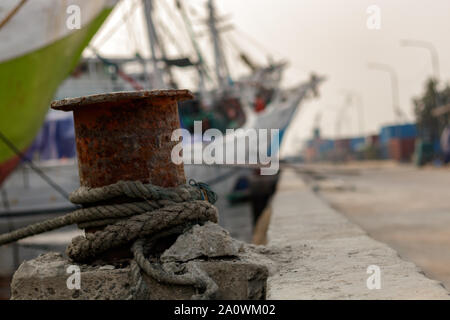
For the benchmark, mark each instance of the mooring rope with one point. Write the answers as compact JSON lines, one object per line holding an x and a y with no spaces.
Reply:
{"x":163,"y":211}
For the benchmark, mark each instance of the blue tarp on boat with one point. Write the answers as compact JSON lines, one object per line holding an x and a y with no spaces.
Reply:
{"x":56,"y":140}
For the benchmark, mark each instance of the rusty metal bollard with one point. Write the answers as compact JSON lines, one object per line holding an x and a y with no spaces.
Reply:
{"x":126,"y":136}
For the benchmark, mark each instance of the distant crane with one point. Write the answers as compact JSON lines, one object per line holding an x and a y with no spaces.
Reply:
{"x":355,"y":99}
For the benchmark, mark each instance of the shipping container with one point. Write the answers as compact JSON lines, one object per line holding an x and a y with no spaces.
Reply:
{"x":401,"y":149}
{"x":342,"y":151}
{"x":397,"y":141}
{"x":373,"y":140}
{"x":404,"y":131}
{"x":342,"y":144}
{"x":326,"y":146}
{"x":357,"y":144}
{"x":310,"y":154}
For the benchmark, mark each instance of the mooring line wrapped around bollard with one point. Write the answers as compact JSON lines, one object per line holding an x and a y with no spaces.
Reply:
{"x":164,"y":211}
{"x":193,"y":276}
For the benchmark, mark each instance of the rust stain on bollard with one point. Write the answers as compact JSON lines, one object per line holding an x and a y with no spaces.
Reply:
{"x":126,"y":136}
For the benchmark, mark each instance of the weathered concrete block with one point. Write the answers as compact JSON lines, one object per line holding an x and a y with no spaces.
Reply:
{"x":209,"y":240}
{"x":46,"y":278}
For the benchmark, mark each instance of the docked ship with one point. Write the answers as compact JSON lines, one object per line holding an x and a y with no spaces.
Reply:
{"x":37,"y":52}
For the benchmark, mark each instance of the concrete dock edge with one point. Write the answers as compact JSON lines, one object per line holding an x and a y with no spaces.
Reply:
{"x":322,"y":255}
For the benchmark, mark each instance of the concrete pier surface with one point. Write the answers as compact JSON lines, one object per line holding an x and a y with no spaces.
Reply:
{"x":320,"y":254}
{"x":406,"y":207}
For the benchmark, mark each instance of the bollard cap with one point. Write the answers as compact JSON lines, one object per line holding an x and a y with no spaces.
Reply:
{"x":72,"y":104}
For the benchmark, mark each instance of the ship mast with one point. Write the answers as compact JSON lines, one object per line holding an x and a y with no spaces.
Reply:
{"x":222,"y":71}
{"x":157,"y":49}
{"x":200,"y":61}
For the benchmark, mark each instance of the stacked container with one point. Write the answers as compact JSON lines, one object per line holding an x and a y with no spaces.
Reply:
{"x":398,"y":142}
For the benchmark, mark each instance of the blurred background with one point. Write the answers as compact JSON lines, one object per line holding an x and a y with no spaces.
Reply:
{"x":359,"y":90}
{"x":332,"y":38}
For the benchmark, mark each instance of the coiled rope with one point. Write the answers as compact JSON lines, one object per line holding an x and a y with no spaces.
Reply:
{"x":148,"y":213}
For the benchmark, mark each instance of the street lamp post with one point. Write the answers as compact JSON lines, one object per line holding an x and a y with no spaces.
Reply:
{"x":394,"y":86}
{"x":431,"y":48}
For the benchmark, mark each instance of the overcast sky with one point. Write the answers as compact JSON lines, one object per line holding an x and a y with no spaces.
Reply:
{"x":331,"y":37}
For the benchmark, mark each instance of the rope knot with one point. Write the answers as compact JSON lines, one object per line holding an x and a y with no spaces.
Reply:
{"x":206,"y":190}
